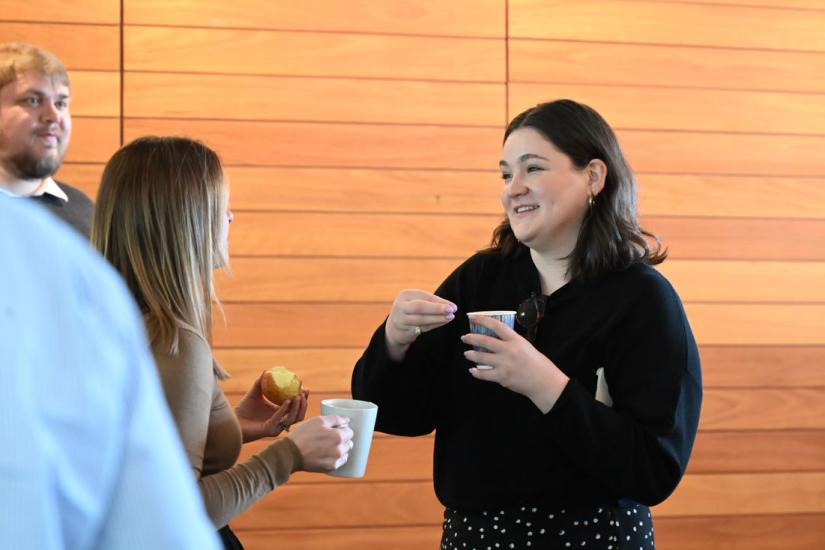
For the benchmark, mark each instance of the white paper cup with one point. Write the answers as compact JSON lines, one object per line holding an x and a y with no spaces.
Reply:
{"x":362,"y":416}
{"x":506,"y":317}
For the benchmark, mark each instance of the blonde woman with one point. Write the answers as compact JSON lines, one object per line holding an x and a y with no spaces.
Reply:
{"x":162,"y":220}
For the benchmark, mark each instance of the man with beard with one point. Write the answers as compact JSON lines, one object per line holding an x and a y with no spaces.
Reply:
{"x":35,"y":128}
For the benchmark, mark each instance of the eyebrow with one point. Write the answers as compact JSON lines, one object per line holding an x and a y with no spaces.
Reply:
{"x":524,"y":157}
{"x":43,"y":93}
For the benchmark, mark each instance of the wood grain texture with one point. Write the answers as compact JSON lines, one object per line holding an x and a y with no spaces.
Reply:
{"x":599,"y":63}
{"x":281,"y":279}
{"x":758,"y":451}
{"x":308,"y":99}
{"x":268,"y":325}
{"x":79,"y":47}
{"x":311,"y":234}
{"x":409,"y":17}
{"x":763,"y":409}
{"x":327,"y":144}
{"x":364,"y":537}
{"x":65,"y":11}
{"x":731,"y":196}
{"x":758,"y":532}
{"x":329,"y":369}
{"x":95,"y":93}
{"x":93,"y":139}
{"x":658,"y":108}
{"x":676,"y":23}
{"x":365,"y":190}
{"x":313,"y":54}
{"x":85,"y":177}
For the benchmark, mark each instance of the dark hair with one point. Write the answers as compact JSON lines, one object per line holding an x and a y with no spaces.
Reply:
{"x":610,"y":237}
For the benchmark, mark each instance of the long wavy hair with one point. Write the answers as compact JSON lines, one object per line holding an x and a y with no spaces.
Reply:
{"x":158,"y":220}
{"x":610,"y":237}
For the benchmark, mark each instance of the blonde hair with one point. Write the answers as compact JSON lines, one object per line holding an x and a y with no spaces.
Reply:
{"x":18,"y":57}
{"x":158,"y":220}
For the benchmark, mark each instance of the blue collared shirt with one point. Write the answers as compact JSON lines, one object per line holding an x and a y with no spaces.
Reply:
{"x":89,"y":456}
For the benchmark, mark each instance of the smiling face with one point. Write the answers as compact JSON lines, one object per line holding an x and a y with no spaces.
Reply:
{"x":35,"y":126}
{"x":545,"y":195}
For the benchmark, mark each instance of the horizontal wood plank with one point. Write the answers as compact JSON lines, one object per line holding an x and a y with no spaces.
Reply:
{"x":65,"y":11}
{"x":95,"y":93}
{"x":746,"y":494}
{"x":757,"y":451}
{"x":763,"y":409}
{"x":763,"y":365}
{"x":434,"y":236}
{"x":731,"y":196}
{"x":486,"y":18}
{"x":312,"y":99}
{"x":757,"y":532}
{"x":79,"y":47}
{"x":657,"y":108}
{"x":703,"y":24}
{"x":329,"y":369}
{"x":84,"y":176}
{"x":313,"y":54}
{"x":310,"y":325}
{"x":364,"y":537}
{"x":599,"y":63}
{"x":277,"y":279}
{"x":93,"y":139}
{"x":334,"y":145}
{"x":361,"y":503}
{"x":366,"y":190}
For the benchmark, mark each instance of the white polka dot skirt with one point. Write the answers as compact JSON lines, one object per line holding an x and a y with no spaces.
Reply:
{"x":602,"y":528}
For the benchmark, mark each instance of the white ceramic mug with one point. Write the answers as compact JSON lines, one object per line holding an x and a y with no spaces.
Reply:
{"x":362,"y":416}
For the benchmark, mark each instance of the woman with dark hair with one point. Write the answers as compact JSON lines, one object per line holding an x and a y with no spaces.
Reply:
{"x":589,"y":412}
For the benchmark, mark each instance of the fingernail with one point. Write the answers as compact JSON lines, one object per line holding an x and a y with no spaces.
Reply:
{"x":451,"y":309}
{"x":463,"y":336}
{"x":450,"y":316}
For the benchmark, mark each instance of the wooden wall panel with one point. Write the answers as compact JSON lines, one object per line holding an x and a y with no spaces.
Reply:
{"x":233,"y":51}
{"x":691,"y":109}
{"x":365,"y":190}
{"x":354,"y":175}
{"x":486,"y":18}
{"x":65,"y":11}
{"x":675,"y":23}
{"x":80,"y":47}
{"x":685,"y":67}
{"x":288,"y":98}
{"x":326,"y":144}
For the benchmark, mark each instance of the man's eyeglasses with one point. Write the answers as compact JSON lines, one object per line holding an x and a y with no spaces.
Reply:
{"x":530,"y":313}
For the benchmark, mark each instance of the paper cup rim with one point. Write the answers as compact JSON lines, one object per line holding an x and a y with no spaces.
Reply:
{"x":499,"y":313}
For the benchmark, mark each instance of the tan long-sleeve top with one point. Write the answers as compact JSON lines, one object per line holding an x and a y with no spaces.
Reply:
{"x":211,"y":434}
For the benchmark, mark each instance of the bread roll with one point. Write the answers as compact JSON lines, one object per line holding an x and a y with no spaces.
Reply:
{"x":280,"y":384}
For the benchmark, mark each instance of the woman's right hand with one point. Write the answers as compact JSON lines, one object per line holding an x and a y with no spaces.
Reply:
{"x":324,"y":442}
{"x":414,"y":312}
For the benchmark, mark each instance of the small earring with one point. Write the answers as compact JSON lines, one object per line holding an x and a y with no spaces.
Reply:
{"x":591,"y":200}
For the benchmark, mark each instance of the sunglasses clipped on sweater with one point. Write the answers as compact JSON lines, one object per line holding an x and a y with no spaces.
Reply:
{"x":530,"y":313}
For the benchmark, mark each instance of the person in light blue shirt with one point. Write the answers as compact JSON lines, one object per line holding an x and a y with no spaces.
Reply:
{"x":89,"y":457}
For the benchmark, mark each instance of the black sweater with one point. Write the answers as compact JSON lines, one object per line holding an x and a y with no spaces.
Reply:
{"x":494,"y":448}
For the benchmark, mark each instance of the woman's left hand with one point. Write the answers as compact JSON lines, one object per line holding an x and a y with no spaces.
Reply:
{"x":261,"y":418}
{"x":517,"y":365}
